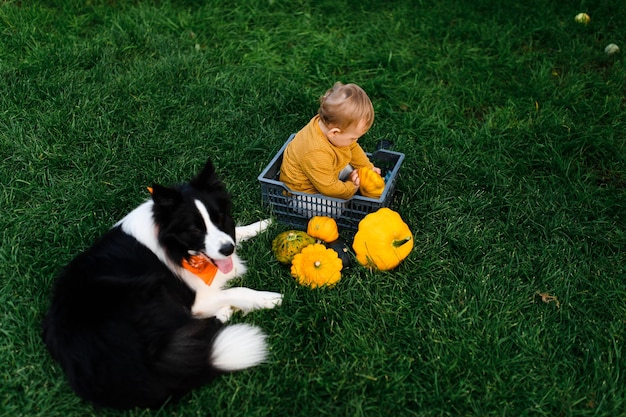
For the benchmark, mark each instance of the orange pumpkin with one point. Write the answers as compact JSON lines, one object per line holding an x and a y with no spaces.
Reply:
{"x":371,"y":184}
{"x":323,"y":228}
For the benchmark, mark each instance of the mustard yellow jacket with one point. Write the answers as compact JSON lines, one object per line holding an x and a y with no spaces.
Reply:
{"x":311,"y":164}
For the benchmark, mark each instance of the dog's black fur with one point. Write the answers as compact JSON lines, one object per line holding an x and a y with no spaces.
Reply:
{"x":120,"y":321}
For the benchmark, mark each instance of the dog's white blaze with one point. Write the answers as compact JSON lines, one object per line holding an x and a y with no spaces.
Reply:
{"x":215,"y":238}
{"x":238,"y":347}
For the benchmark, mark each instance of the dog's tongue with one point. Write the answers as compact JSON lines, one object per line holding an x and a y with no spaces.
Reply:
{"x":224,"y":265}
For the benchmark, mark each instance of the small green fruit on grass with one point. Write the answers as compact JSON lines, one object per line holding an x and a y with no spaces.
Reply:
{"x":582,"y":18}
{"x":611,"y":49}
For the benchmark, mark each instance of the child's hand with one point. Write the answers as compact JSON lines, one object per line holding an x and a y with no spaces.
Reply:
{"x":354,"y":177}
{"x":377,"y":170}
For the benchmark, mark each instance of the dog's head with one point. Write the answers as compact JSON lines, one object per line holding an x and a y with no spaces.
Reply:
{"x":195,"y":219}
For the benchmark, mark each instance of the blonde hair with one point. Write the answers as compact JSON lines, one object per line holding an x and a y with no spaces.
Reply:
{"x":345,"y":105}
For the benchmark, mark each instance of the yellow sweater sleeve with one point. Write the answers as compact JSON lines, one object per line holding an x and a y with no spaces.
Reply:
{"x":359,"y":158}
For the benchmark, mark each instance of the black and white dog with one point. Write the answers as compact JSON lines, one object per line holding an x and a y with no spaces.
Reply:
{"x":132,"y":326}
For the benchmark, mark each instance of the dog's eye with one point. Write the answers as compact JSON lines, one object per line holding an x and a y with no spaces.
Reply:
{"x":197,"y":231}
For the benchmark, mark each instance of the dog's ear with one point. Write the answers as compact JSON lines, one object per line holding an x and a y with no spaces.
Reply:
{"x":207,"y":178}
{"x":165,"y":198}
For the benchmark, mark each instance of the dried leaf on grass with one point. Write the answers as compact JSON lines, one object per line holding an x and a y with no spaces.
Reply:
{"x":547,"y":298}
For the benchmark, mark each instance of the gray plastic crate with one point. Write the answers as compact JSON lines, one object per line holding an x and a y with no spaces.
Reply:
{"x":295,"y":209}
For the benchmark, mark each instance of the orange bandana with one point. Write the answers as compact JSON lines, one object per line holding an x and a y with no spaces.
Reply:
{"x":202,"y":267}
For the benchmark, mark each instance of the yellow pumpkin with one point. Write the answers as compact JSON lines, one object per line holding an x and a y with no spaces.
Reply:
{"x":383,"y":240}
{"x":371,"y":184}
{"x":323,"y":228}
{"x":316,"y":266}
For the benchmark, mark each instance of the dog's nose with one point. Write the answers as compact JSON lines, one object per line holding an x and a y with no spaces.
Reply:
{"x":227,"y":249}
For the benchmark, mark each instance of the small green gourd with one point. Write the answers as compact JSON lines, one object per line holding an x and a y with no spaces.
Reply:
{"x":289,"y":243}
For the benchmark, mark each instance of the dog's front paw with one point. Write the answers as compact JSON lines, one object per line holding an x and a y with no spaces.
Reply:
{"x":257,"y":300}
{"x":264,"y":224}
{"x":269,"y":300}
{"x":246,"y":232}
{"x":278,"y":300}
{"x":224,"y":314}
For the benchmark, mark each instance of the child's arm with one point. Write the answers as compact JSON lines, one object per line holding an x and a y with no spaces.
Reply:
{"x":326,"y":181}
{"x":360,"y":159}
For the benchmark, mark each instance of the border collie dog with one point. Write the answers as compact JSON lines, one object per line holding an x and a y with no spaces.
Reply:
{"x":133,"y":326}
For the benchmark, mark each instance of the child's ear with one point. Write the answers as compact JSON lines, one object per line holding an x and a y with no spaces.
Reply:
{"x":332,"y":132}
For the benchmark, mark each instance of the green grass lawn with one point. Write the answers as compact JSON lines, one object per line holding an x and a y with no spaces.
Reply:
{"x":513,"y":123}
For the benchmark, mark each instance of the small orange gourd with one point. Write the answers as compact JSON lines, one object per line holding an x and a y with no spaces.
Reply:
{"x":383,"y":240}
{"x":316,"y":266}
{"x":323,"y":228}
{"x":371,"y":184}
